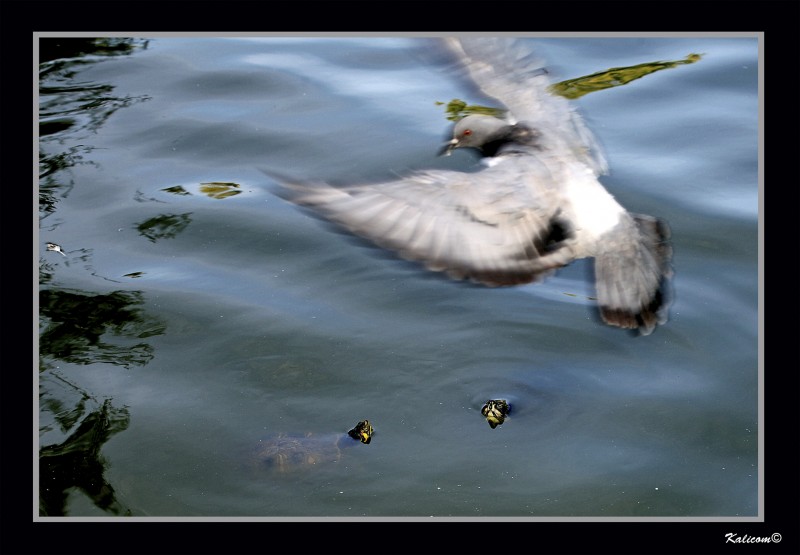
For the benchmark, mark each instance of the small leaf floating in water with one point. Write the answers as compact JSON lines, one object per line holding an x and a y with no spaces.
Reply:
{"x":458,"y":109}
{"x":220,"y":189}
{"x":614,"y":77}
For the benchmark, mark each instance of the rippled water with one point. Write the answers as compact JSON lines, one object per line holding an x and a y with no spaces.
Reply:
{"x":193,"y":313}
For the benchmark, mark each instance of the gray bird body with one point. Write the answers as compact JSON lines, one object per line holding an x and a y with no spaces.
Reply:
{"x":537,"y":206}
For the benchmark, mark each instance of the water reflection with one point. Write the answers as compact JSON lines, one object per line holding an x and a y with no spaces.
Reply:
{"x":51,"y":186}
{"x":68,"y":107}
{"x":81,"y":107}
{"x":77,"y":462}
{"x":73,"y":326}
{"x":53,"y":48}
{"x":164,"y":226}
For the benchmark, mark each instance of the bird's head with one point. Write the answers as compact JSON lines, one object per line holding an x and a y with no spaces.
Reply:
{"x":479,"y":131}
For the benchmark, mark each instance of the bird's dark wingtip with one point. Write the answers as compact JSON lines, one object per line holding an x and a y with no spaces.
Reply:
{"x":646,"y":319}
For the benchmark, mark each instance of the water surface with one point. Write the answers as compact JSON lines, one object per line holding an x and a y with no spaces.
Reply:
{"x":193,"y":312}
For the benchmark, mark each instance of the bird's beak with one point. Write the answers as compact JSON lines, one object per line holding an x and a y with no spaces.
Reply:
{"x":448,"y":147}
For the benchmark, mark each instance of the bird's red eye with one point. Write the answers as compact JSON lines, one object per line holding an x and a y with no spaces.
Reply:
{"x":467,"y":132}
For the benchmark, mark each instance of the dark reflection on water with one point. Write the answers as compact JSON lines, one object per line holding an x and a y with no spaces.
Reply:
{"x":71,"y":107}
{"x":80,"y":327}
{"x":76,"y":108}
{"x":164,"y":226}
{"x":77,"y":462}
{"x":53,"y":48}
{"x":73,"y":326}
{"x":52,"y":187}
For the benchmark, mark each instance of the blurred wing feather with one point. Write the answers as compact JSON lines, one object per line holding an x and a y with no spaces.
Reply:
{"x":464,"y":224}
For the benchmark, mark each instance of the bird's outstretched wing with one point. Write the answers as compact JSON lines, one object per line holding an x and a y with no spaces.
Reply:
{"x":504,"y":68}
{"x":468,"y":225}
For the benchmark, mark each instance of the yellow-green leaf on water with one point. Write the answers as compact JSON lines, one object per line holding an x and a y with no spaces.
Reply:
{"x":614,"y":77}
{"x":457,"y":109}
{"x":220,"y":189}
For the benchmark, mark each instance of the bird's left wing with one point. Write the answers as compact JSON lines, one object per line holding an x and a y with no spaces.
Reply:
{"x":468,"y":225}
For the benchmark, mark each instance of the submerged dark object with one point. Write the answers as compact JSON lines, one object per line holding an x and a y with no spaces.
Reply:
{"x":286,"y":452}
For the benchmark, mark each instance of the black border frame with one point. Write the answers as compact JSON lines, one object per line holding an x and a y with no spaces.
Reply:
{"x":780,"y":22}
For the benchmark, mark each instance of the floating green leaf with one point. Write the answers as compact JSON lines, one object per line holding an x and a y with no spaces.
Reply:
{"x":220,"y":189}
{"x":614,"y":77}
{"x":458,"y":109}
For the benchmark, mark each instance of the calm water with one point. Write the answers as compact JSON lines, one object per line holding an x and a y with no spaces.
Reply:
{"x":193,"y":313}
